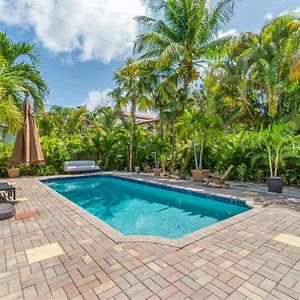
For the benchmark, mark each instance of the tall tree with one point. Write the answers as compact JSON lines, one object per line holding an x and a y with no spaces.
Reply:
{"x":257,"y":79}
{"x":271,"y":59}
{"x":198,"y":122}
{"x":19,"y":76}
{"x":131,"y":90}
{"x":106,"y":134}
{"x":162,"y":86}
{"x":185,"y":34}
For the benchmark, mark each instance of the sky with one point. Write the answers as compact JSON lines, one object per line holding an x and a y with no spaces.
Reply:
{"x":82,"y":42}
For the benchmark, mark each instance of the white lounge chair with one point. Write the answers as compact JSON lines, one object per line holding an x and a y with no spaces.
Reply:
{"x":80,"y":166}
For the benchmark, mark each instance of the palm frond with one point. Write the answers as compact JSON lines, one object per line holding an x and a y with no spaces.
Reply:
{"x":10,"y":115}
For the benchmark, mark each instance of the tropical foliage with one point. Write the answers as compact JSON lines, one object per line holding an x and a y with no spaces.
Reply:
{"x":220,"y":100}
{"x":19,"y":76}
{"x":279,"y":145}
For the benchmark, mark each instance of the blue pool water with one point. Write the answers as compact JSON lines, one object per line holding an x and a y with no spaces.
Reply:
{"x":138,"y":209}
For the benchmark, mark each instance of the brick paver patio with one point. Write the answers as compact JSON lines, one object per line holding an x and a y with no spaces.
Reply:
{"x":254,"y":255}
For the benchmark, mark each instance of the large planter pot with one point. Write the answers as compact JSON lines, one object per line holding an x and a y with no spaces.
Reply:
{"x":275,"y":184}
{"x":157,"y":171}
{"x":13,"y":172}
{"x":199,"y":175}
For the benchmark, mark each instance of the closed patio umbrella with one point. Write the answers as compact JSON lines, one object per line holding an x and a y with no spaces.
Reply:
{"x":27,"y":145}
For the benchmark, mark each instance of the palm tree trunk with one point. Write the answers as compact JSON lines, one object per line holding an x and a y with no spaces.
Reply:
{"x":184,"y":158}
{"x":161,"y":129}
{"x":163,"y":163}
{"x":246,"y":103}
{"x":173,"y":140}
{"x":4,"y":132}
{"x":187,"y":78}
{"x":195,"y":152}
{"x":127,"y":159}
{"x":201,"y":153}
{"x":106,"y":163}
{"x":276,"y":163}
{"x":136,"y":154}
{"x":132,"y":132}
{"x":270,"y":163}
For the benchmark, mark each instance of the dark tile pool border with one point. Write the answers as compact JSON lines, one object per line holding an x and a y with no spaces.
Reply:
{"x":186,"y":191}
{"x":118,"y":237}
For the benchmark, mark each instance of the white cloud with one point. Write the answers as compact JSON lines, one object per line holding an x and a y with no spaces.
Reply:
{"x":88,"y":29}
{"x":67,"y":59}
{"x":98,"y":98}
{"x":297,"y":10}
{"x":283,"y":13}
{"x":231,"y":31}
{"x":268,"y":16}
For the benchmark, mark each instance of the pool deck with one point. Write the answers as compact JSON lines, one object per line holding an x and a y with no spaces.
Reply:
{"x":254,"y":255}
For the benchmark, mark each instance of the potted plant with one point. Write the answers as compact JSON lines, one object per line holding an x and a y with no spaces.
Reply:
{"x":158,"y":146}
{"x":13,"y":172}
{"x":197,"y":123}
{"x":157,"y":169}
{"x":199,"y":173}
{"x":279,"y":146}
{"x":5,"y":160}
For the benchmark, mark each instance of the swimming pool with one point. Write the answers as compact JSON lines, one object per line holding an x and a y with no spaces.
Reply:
{"x":135,"y":208}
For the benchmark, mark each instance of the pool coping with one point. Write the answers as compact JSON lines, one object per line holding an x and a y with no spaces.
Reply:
{"x":118,"y":237}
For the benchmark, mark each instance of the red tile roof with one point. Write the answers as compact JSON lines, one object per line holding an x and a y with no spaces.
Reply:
{"x":140,"y":116}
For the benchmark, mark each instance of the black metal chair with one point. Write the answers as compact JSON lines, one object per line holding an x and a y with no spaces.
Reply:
{"x":9,"y":190}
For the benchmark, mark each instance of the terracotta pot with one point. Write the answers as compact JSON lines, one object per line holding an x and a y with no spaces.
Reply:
{"x":199,"y":175}
{"x":157,"y":171}
{"x":275,"y":184}
{"x":13,"y":172}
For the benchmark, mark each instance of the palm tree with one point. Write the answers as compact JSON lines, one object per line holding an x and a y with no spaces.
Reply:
{"x":197,"y":122}
{"x":131,"y":89}
{"x":19,"y":76}
{"x":162,"y":85}
{"x":184,"y":36}
{"x":295,"y":66}
{"x":235,"y":82}
{"x":170,"y":112}
{"x":255,"y":79}
{"x":279,"y":145}
{"x":106,"y":133}
{"x":272,"y":58}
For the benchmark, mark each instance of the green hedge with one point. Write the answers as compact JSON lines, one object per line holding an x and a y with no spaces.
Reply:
{"x":220,"y":152}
